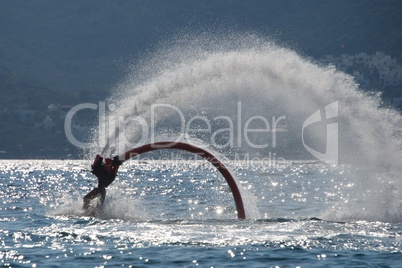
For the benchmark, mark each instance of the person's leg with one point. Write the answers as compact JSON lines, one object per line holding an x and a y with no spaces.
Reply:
{"x":102,"y":192}
{"x":92,"y":195}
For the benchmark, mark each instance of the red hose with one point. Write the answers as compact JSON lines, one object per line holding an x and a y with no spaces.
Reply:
{"x":198,"y":151}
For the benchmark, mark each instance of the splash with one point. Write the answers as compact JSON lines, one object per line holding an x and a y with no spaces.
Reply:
{"x":117,"y":205}
{"x":238,"y":79}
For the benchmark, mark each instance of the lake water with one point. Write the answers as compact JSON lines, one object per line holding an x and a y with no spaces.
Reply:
{"x":182,"y":214}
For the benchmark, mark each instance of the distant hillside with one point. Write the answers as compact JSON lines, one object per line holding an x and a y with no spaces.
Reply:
{"x":24,"y":106}
{"x":55,"y":53}
{"x":85,"y":45}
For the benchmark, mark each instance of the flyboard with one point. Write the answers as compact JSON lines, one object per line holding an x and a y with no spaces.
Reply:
{"x":107,"y":171}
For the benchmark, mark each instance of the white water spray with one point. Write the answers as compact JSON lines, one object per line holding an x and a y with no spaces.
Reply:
{"x":208,"y":77}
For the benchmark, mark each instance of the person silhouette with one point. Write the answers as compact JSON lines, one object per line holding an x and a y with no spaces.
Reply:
{"x":106,"y":174}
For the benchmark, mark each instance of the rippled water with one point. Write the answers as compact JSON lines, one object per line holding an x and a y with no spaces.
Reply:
{"x":181,"y":213}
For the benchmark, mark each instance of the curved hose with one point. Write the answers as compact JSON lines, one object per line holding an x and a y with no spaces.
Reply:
{"x":198,"y":151}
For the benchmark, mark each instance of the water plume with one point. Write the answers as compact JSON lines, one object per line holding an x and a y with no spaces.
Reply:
{"x":227,"y":80}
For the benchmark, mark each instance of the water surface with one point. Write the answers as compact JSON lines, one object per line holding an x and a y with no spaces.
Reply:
{"x":181,"y":213}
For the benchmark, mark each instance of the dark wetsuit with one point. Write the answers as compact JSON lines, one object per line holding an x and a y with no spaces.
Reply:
{"x":106,"y":173}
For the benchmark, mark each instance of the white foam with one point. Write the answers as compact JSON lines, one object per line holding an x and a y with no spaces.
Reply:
{"x":117,"y":205}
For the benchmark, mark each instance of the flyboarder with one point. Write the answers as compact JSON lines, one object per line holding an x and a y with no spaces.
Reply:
{"x":106,"y":173}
